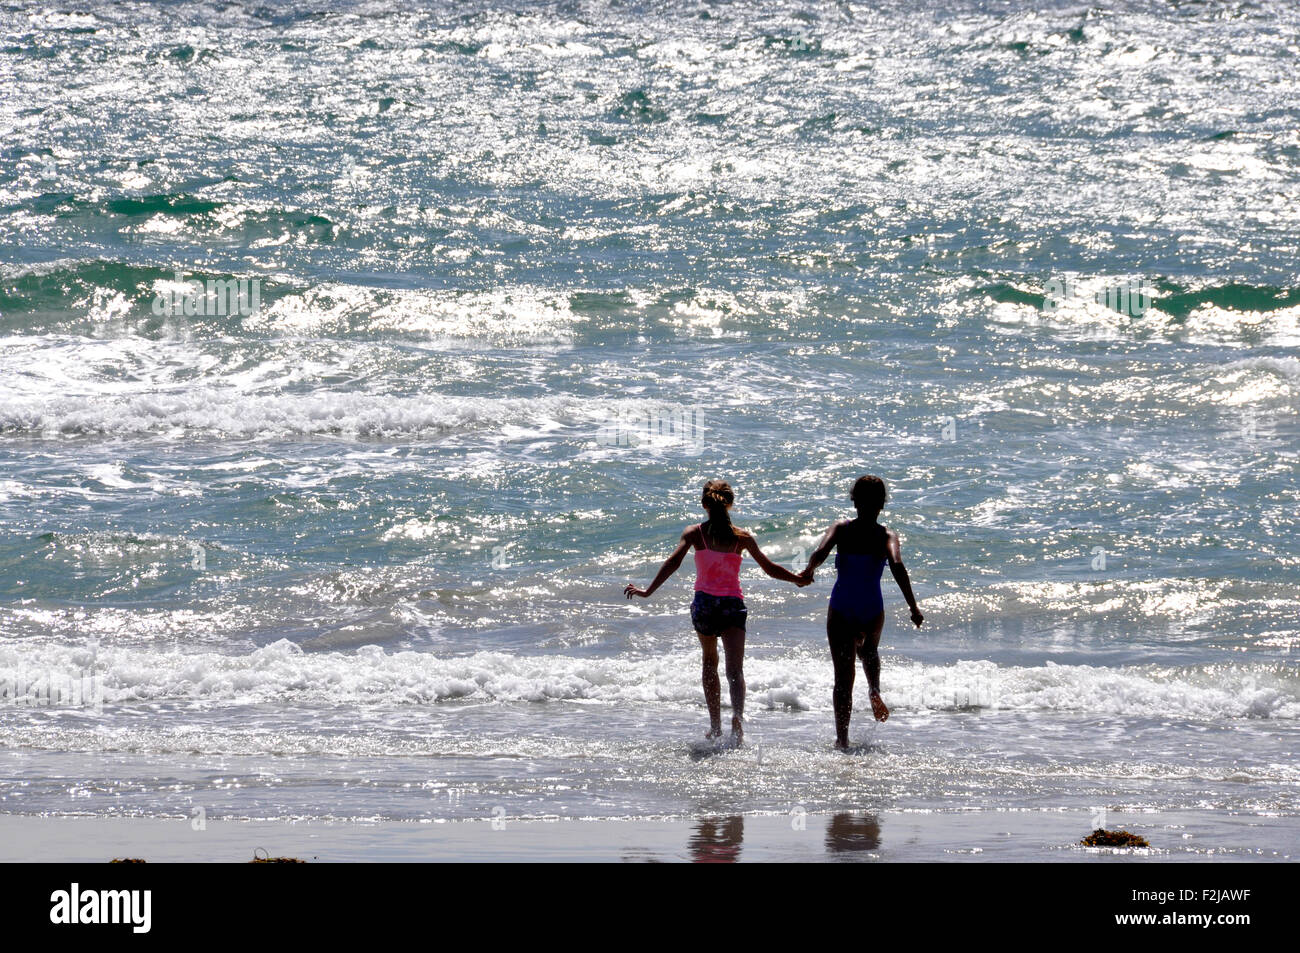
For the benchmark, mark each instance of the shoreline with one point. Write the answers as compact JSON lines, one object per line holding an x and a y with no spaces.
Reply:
{"x":894,"y":836}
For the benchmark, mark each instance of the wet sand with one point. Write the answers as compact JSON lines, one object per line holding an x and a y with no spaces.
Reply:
{"x":1023,"y":836}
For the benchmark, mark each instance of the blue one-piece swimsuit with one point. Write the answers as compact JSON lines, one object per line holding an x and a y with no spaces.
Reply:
{"x":856,"y":594}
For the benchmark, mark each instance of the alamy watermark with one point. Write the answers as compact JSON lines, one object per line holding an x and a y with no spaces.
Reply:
{"x":960,"y":691}
{"x":1131,"y":296}
{"x":670,"y":425}
{"x":54,"y":690}
{"x":215,"y":298}
{"x":143,"y":554}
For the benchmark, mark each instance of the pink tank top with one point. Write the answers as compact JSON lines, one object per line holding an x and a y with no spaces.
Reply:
{"x":717,"y":573}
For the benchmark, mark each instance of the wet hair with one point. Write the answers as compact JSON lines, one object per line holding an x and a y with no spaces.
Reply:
{"x":717,"y":496}
{"x":869,"y":493}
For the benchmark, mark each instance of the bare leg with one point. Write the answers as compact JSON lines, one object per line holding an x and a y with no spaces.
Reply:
{"x":869,"y":652}
{"x":843,"y":640}
{"x":733,"y":643}
{"x":712,"y":687}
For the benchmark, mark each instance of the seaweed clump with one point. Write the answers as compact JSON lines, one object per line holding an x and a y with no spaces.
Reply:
{"x":265,"y":858}
{"x":1103,"y":838}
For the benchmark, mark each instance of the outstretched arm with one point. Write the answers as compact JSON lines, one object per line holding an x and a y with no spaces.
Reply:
{"x":899,"y":571}
{"x":667,"y":569}
{"x":772,"y":569}
{"x":823,"y":550}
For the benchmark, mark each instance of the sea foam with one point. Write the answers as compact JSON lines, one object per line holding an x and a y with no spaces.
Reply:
{"x":283,"y":672}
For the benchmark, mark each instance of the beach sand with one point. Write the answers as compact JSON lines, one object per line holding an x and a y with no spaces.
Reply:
{"x":899,"y":836}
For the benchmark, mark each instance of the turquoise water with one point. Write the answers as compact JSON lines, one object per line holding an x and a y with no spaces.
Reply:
{"x":527,"y":275}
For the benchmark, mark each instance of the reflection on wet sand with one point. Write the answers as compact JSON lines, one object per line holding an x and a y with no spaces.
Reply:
{"x":846,"y":833}
{"x":717,"y":840}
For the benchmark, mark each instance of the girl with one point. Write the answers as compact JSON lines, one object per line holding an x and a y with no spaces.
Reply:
{"x":718,"y":611}
{"x":857,"y":610}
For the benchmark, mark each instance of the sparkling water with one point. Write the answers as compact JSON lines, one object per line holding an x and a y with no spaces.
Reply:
{"x":353,"y":357}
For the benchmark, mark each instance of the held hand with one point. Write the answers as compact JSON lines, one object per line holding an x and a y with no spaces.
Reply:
{"x":630,"y":590}
{"x":805,"y":578}
{"x":917,"y":618}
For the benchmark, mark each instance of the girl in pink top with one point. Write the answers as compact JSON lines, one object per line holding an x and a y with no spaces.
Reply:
{"x":718,"y":611}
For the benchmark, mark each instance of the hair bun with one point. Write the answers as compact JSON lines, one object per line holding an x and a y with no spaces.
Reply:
{"x":717,"y":493}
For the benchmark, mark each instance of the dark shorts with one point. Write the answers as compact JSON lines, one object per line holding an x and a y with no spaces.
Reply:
{"x":712,"y":614}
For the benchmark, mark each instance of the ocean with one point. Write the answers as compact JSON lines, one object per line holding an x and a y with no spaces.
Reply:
{"x":354,"y":356}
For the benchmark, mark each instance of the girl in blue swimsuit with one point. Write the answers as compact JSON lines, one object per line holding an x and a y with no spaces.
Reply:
{"x":857,"y":610}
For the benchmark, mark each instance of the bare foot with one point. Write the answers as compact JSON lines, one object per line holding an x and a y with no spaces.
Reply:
{"x":714,"y":732}
{"x":737,"y":731}
{"x":878,"y":707}
{"x":841,"y":744}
